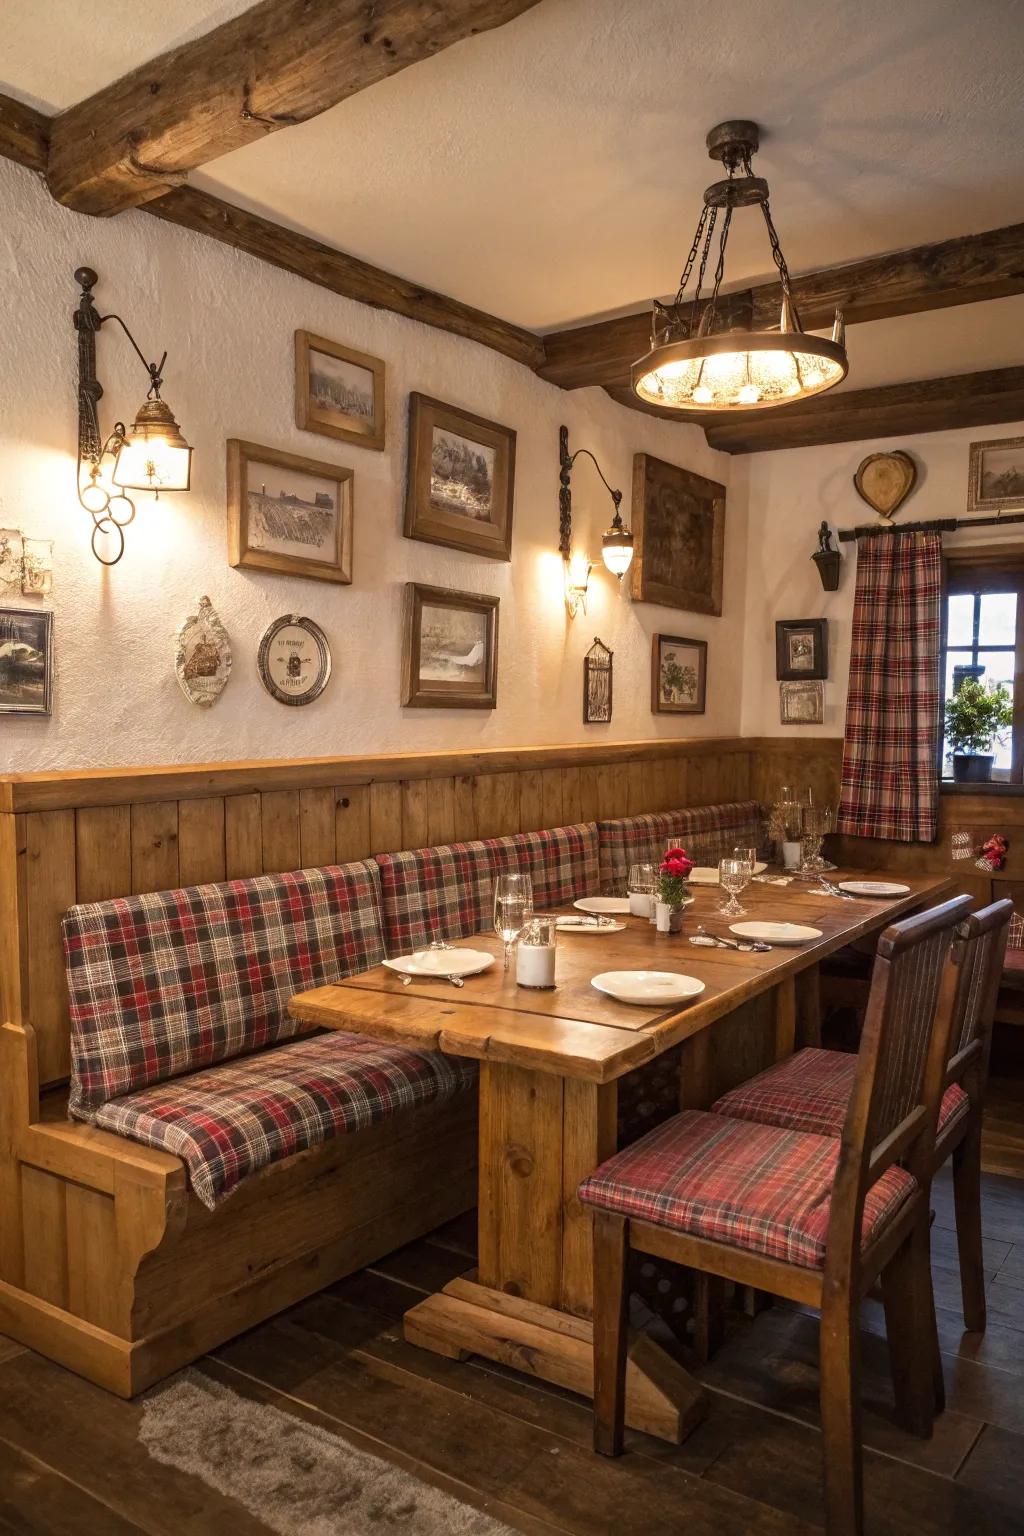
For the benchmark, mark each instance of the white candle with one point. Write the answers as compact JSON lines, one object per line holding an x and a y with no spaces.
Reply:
{"x":535,"y":965}
{"x":640,"y":903}
{"x":792,"y":855}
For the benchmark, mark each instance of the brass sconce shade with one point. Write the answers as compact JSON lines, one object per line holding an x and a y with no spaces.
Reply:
{"x":154,"y":456}
{"x":690,"y":367}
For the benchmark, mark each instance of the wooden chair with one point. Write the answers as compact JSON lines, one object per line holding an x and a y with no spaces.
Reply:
{"x":811,"y":1092}
{"x":814,"y":1219}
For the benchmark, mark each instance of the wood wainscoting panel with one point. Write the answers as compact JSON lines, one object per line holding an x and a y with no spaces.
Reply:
{"x":352,"y":822}
{"x":279,"y":815}
{"x":202,"y":854}
{"x":155,"y":846}
{"x":50,"y":886}
{"x":243,"y":836}
{"x":317,"y":835}
{"x":103,"y":851}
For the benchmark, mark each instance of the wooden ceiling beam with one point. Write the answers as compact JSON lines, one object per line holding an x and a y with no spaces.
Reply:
{"x":280,"y":63}
{"x":24,"y":133}
{"x":890,"y":411}
{"x":346,"y":275}
{"x":967,"y":270}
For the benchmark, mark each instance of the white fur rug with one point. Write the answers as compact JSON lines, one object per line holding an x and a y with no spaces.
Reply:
{"x":297,"y":1478}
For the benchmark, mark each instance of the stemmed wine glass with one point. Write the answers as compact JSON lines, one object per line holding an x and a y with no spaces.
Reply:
{"x":513,"y":906}
{"x":816,"y":821}
{"x":733,"y":876}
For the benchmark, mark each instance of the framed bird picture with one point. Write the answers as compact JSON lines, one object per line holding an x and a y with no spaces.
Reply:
{"x":451,"y":649}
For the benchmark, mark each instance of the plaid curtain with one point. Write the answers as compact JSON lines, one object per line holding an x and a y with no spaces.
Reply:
{"x":890,"y":755}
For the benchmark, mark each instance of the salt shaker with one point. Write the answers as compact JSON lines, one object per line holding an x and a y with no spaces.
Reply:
{"x":535,"y":955}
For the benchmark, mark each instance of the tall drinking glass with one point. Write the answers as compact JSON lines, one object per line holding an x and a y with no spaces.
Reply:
{"x":816,"y":822}
{"x":513,"y":907}
{"x":733,"y":876}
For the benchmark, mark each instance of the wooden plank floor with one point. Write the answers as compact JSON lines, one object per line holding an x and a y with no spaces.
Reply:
{"x":70,"y":1461}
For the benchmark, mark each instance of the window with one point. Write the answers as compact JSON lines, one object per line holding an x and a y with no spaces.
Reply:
{"x":983,"y":637}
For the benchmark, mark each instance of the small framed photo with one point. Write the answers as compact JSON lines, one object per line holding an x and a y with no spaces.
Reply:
{"x":679,"y":675}
{"x":26,"y":661}
{"x":294,"y":660}
{"x":801,"y":649}
{"x":461,"y":485}
{"x":996,"y":479}
{"x":451,"y":649}
{"x":288,"y":514}
{"x":338,"y":392}
{"x":802,"y":703}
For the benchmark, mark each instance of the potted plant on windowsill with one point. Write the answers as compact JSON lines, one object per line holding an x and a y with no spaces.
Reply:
{"x":975,"y":716}
{"x":672,"y":893}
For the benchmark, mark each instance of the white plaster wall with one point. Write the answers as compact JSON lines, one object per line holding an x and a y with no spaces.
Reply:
{"x":784,"y":496}
{"x":227,"y":322}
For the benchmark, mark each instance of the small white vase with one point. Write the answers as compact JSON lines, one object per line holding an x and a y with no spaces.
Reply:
{"x":668,"y":919}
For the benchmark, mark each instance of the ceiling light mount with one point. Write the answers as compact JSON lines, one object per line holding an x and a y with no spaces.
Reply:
{"x":690,"y":366}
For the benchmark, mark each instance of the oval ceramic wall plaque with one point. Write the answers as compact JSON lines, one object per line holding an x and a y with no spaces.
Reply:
{"x":294,"y":660}
{"x":885,"y":480}
{"x":202,"y":659}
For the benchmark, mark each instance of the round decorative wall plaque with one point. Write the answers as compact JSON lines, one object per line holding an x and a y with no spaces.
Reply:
{"x":294,"y":660}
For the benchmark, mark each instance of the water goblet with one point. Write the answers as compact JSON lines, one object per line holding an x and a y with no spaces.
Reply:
{"x":513,"y":906}
{"x":816,"y":821}
{"x":733,"y":876}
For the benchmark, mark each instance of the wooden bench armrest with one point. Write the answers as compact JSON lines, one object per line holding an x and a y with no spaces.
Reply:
{"x":98,"y":1158}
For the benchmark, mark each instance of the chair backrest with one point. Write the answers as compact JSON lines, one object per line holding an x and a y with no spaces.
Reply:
{"x":708,"y":833}
{"x":901,"y":1065}
{"x":174,"y":981}
{"x":984,"y":938}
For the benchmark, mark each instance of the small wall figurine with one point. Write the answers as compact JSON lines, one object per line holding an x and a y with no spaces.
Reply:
{"x":993,"y":853}
{"x":202,"y":657}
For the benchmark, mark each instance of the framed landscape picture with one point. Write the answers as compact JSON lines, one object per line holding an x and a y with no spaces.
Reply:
{"x":801,"y":649}
{"x":679,"y":675}
{"x":461,"y":479}
{"x":678,"y":523}
{"x":451,"y":649}
{"x":996,"y":479}
{"x":802,"y":703}
{"x":26,"y":661}
{"x":289,"y":514}
{"x":338,"y":392}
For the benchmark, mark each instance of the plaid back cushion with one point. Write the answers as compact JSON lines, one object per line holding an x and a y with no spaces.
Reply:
{"x":173,"y":981}
{"x":562,"y":862}
{"x":708,"y":833}
{"x":435,"y":893}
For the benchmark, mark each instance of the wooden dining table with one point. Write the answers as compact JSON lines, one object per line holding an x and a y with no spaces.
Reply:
{"x":550,"y":1065}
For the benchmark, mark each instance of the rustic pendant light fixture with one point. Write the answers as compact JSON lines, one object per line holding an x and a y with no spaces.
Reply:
{"x":689,"y":366}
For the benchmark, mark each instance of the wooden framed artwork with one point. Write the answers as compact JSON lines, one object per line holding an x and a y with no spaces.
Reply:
{"x":339,"y":392}
{"x":288,"y":514}
{"x":451,"y":649}
{"x":294,"y":660}
{"x":801,"y":649}
{"x":26,"y":661}
{"x":996,"y":478}
{"x":802,"y":703}
{"x":678,"y":523}
{"x":461,"y":484}
{"x":679,"y":675}
{"x":597,"y":684}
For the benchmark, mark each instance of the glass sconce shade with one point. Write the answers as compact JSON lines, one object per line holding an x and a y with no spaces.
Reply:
{"x":577,"y":580}
{"x":617,"y":548}
{"x":154,"y":456}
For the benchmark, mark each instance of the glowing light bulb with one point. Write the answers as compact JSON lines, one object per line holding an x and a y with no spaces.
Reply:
{"x":673,"y":370}
{"x":702,"y":395}
{"x":748,"y":394}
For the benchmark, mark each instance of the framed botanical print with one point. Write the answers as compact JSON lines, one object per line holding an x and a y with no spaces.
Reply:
{"x":801,"y":649}
{"x":679,"y":675}
{"x":451,"y":649}
{"x":339,"y":392}
{"x":996,"y":479}
{"x":461,"y":484}
{"x":294,"y":660}
{"x":678,"y":523}
{"x":26,"y":661}
{"x":289,"y":514}
{"x":802,"y":703}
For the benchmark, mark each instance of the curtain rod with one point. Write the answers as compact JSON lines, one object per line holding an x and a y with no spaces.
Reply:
{"x":937,"y":525}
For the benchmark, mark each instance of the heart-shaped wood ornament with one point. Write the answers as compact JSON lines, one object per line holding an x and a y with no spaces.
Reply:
{"x":885,"y":480}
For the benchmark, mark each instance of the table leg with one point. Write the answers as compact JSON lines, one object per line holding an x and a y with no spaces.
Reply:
{"x":530,"y":1303}
{"x":785,"y":1018}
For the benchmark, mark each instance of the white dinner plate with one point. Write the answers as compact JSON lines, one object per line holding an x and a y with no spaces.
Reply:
{"x":657,"y":987}
{"x":580,"y":925}
{"x":775,"y":933}
{"x":874,"y":887}
{"x":441,"y":962}
{"x":604,"y":905}
{"x":705,"y":875}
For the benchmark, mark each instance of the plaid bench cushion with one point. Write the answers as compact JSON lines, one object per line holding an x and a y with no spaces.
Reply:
{"x":174,"y":981}
{"x":810,"y":1091}
{"x":448,"y":892}
{"x":435,"y":893}
{"x":708,"y":833}
{"x":235,"y":1118}
{"x":562,"y":862}
{"x":749,"y":1186}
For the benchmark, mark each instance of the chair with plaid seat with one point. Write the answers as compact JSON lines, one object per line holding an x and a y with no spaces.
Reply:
{"x":815,"y":1219}
{"x":811,"y":1092}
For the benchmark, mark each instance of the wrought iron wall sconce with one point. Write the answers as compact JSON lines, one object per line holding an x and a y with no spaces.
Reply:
{"x":616,"y":543}
{"x":153,"y":456}
{"x":827,"y":559}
